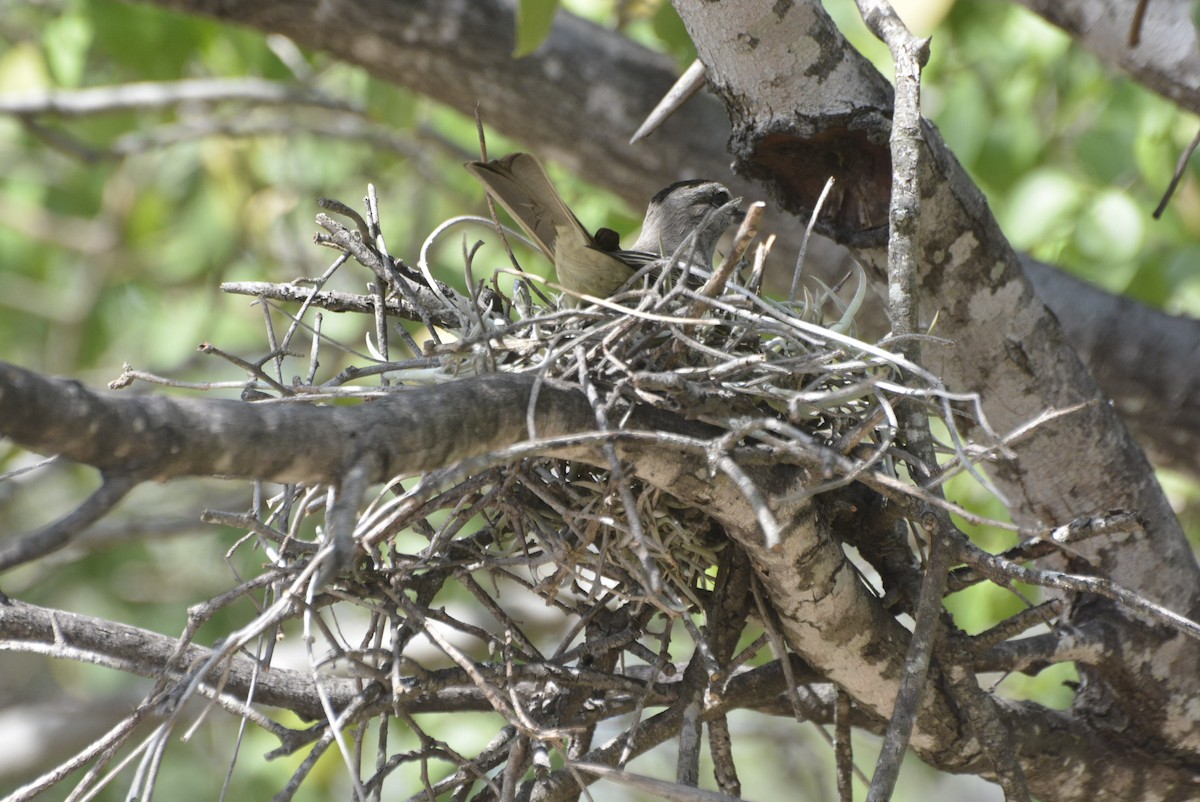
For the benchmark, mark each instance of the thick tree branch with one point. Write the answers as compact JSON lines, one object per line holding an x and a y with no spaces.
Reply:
{"x":1136,"y":354}
{"x":1167,"y":56}
{"x":153,"y":95}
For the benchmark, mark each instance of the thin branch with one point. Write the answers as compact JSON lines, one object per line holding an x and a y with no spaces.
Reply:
{"x":330,"y":299}
{"x":34,"y":545}
{"x":1177,"y":176}
{"x":161,"y":94}
{"x":1135,"y":26}
{"x":909,"y":55}
{"x":119,"y":734}
{"x":843,"y":750}
{"x":341,"y":516}
{"x":1003,"y":572}
{"x":996,"y":739}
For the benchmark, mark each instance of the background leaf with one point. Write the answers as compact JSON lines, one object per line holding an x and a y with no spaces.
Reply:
{"x":534,"y":20}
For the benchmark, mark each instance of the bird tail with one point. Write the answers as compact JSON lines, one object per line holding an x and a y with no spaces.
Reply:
{"x":520,"y":184}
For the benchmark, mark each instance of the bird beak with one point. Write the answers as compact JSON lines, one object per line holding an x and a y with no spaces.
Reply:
{"x":738,"y":213}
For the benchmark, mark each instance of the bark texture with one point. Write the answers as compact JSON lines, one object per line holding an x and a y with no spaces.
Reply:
{"x":1166,"y":55}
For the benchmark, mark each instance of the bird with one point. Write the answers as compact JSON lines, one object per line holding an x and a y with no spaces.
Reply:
{"x":683,"y":222}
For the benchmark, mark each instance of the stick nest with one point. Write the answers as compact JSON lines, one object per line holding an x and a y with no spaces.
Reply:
{"x":457,"y":556}
{"x":780,"y":374}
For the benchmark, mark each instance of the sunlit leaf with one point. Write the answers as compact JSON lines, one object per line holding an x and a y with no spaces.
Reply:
{"x":1111,"y":228}
{"x":1040,"y":206}
{"x":22,"y":69}
{"x":67,"y":40}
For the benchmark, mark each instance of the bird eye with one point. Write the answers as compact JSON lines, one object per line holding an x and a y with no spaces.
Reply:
{"x":721,"y":198}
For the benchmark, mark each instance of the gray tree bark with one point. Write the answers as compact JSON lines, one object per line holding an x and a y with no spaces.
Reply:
{"x":1166,"y":55}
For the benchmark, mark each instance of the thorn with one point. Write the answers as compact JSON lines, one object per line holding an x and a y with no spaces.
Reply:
{"x":688,"y":84}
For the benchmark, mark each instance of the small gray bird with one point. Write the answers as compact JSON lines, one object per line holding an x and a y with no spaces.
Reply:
{"x":593,"y":265}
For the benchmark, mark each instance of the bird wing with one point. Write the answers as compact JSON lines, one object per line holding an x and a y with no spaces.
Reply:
{"x":636,"y":259}
{"x":520,"y":184}
{"x":640,"y":259}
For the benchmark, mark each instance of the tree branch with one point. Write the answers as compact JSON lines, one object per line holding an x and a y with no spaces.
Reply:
{"x":1167,"y":58}
{"x":160,"y":94}
{"x":1006,"y":346}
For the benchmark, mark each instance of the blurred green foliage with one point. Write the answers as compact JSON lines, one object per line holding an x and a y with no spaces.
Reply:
{"x":109,"y":258}
{"x":534,"y":20}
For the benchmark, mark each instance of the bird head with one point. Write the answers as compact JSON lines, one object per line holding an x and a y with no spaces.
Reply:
{"x":696,"y":207}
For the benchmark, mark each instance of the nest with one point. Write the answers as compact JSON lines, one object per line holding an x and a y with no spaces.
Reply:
{"x":708,"y":348}
{"x":604,"y":553}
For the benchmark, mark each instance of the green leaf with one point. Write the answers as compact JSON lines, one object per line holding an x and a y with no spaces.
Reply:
{"x":66,"y":40}
{"x":534,"y":19}
{"x":671,"y":32}
{"x":134,"y":37}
